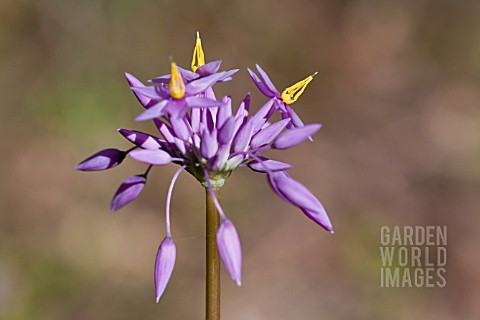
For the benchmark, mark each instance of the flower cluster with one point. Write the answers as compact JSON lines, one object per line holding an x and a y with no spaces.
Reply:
{"x":207,"y":138}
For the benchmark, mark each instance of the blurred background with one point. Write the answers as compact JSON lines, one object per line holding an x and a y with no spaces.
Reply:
{"x":398,"y":96}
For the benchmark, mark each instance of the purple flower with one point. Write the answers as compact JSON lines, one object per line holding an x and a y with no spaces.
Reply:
{"x":282,"y":100}
{"x":208,"y":139}
{"x":175,"y":98}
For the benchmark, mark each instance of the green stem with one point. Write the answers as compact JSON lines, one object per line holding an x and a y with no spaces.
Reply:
{"x":212,"y":292}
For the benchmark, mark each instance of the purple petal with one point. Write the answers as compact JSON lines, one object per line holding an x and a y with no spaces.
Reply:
{"x":235,"y":161}
{"x":209,"y":68}
{"x":230,"y":250}
{"x":243,"y":137}
{"x":153,"y":157}
{"x":166,"y":132}
{"x":266,"y":81}
{"x":225,"y":112}
{"x":219,"y":162}
{"x":209,"y":144}
{"x":265,"y":136}
{"x":180,"y":128}
{"x":180,"y":144}
{"x":154,"y":112}
{"x":153,"y":92}
{"x":208,"y":118}
{"x":298,"y":195}
{"x":227,"y":76}
{"x":199,"y":102}
{"x":165,"y":79}
{"x":141,"y":139}
{"x":242,"y":111}
{"x":164,"y":264}
{"x":102,"y":160}
{"x":296,"y":121}
{"x":295,"y":136}
{"x":134,"y":82}
{"x":195,"y":119}
{"x":261,"y":116}
{"x":268,"y":165}
{"x":128,"y":191}
{"x":176,"y":108}
{"x":202,"y":84}
{"x":263,"y":89}
{"x":187,"y":75}
{"x":225,"y":134}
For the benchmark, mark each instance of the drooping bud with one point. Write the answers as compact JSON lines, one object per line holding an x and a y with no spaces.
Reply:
{"x":292,"y":93}
{"x":230,"y":250}
{"x":177,"y":86}
{"x":297,"y":194}
{"x":198,"y":58}
{"x":128,"y":191}
{"x":164,"y":264}
{"x":102,"y":160}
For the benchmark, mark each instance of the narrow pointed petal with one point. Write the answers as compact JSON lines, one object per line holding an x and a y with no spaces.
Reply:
{"x":187,"y":75}
{"x":165,"y":79}
{"x":154,"y":112}
{"x":295,"y":136}
{"x":134,"y":82}
{"x":267,"y":135}
{"x":199,"y":102}
{"x":266,"y":81}
{"x":262,"y":115}
{"x":226,"y":132}
{"x":219,"y":162}
{"x":260,"y":85}
{"x":268,"y":165}
{"x":164,"y":263}
{"x":128,"y":191}
{"x":180,"y":128}
{"x":141,"y":139}
{"x":297,"y":194}
{"x":225,"y":112}
{"x":209,"y":68}
{"x":195,"y":119}
{"x":166,"y":132}
{"x":209,"y":144}
{"x":153,"y":157}
{"x":296,"y":121}
{"x":230,"y":250}
{"x":102,"y":160}
{"x":202,"y":84}
{"x":243,"y":137}
{"x":152,"y":92}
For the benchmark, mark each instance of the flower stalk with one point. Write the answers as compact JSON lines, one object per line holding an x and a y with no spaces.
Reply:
{"x":212,"y":290}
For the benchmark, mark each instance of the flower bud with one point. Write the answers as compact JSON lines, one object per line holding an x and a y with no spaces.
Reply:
{"x":102,"y":160}
{"x":128,"y":191}
{"x":164,"y":265}
{"x":230,"y":251}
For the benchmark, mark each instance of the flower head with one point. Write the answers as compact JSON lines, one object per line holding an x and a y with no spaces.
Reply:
{"x":209,"y":139}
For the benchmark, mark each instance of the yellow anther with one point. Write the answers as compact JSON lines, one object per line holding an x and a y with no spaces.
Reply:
{"x":177,"y":87}
{"x":198,"y":58}
{"x":292,"y":93}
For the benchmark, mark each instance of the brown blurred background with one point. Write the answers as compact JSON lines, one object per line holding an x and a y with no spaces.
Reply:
{"x":398,"y":96}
